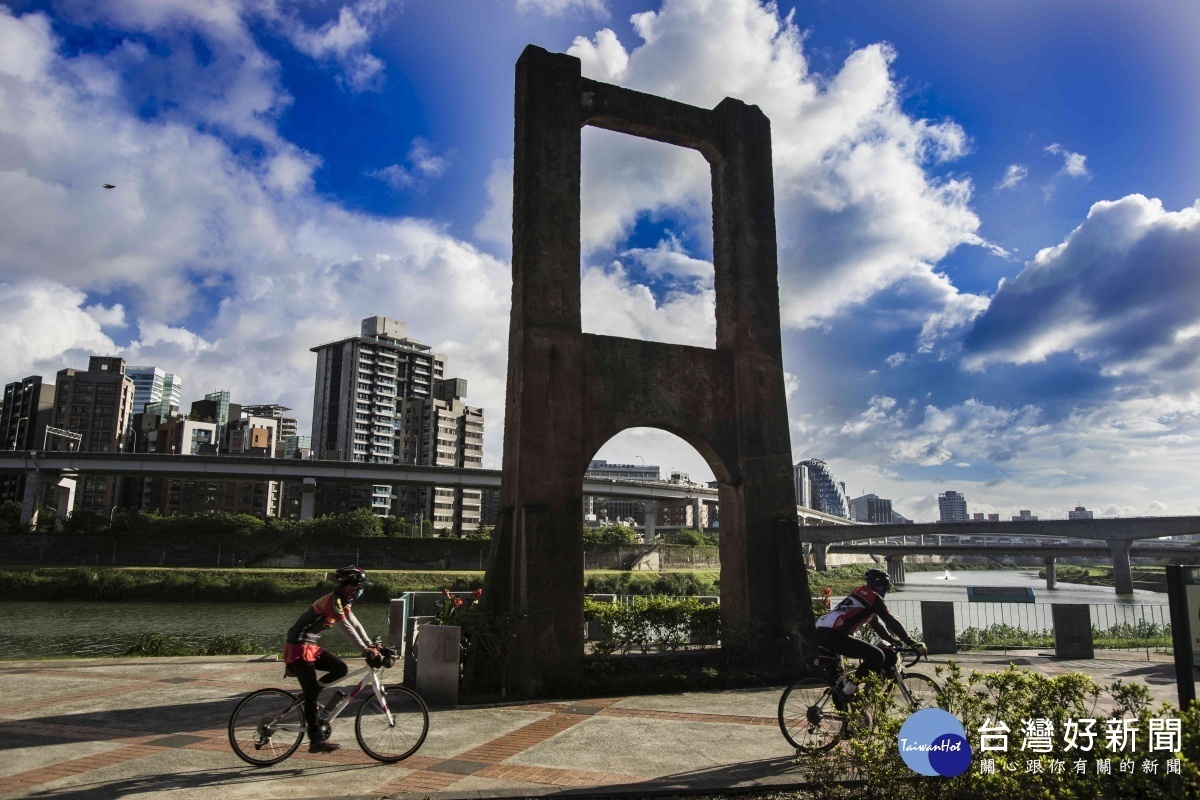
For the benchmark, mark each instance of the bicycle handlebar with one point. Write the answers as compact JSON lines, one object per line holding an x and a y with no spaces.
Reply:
{"x":909,"y":651}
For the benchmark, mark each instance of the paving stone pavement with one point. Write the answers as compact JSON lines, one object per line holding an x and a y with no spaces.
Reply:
{"x":153,"y":728}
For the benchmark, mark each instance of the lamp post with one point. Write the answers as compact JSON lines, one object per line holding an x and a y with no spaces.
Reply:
{"x":17,"y":432}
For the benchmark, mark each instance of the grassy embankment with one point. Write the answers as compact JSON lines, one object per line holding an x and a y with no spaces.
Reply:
{"x":1152,"y":578}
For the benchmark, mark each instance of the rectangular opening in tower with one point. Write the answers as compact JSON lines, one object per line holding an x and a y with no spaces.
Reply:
{"x":646,"y":240}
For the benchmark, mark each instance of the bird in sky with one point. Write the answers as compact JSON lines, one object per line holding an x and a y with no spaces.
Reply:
{"x":109,"y":186}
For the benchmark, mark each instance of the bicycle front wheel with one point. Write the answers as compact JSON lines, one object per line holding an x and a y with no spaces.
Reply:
{"x":266,"y":727}
{"x":811,"y":717}
{"x":401,"y":737}
{"x":921,"y":692}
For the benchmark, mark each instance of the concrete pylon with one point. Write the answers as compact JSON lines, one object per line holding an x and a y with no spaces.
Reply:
{"x":1122,"y":575}
{"x":649,"y":521}
{"x":895,"y":568}
{"x":1051,"y":577}
{"x":308,"y":498}
{"x":568,"y":392}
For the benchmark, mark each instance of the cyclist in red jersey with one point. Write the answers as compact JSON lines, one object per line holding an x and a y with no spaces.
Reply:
{"x":864,"y":605}
{"x":302,"y":656}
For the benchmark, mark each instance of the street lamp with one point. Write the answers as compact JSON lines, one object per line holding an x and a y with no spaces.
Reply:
{"x":17,"y":432}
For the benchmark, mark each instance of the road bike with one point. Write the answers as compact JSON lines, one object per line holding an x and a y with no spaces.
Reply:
{"x":391,"y":724}
{"x":815,"y":713}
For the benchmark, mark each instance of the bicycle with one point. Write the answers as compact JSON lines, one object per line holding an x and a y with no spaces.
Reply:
{"x":391,"y":724}
{"x":815,"y":713}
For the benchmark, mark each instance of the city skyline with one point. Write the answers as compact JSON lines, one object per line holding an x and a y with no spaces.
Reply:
{"x":987,"y":215}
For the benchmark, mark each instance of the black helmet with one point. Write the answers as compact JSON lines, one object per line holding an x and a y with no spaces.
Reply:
{"x":878,"y":580}
{"x":351,"y":582}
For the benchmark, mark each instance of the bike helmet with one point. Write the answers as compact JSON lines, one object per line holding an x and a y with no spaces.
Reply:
{"x":351,"y":581}
{"x":878,"y":580}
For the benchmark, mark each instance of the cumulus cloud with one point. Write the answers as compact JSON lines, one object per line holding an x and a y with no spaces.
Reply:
{"x":193,"y":223}
{"x":423,"y":163}
{"x":1012,"y":176}
{"x":343,"y":41}
{"x":1118,"y":293}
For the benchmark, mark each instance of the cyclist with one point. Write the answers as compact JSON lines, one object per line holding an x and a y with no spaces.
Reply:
{"x":302,"y":656}
{"x":864,"y":605}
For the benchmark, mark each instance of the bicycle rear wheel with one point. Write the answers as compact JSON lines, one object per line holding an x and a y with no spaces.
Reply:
{"x":920,"y":687}
{"x":399,"y":739}
{"x":266,"y":727}
{"x":811,"y":716}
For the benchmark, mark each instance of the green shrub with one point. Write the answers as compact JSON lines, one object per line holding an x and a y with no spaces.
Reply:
{"x":610,"y":534}
{"x":232,"y":644}
{"x":689,"y":537}
{"x":655,"y":623}
{"x":1012,"y":696}
{"x":157,"y":644}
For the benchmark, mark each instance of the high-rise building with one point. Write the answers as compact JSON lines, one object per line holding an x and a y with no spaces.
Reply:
{"x":1079,"y":513}
{"x":443,"y":431}
{"x":803,"y":485}
{"x":381,"y":397}
{"x":154,"y":386}
{"x":871,"y":508}
{"x":28,"y":408}
{"x":952,"y":507}
{"x":823,"y":491}
{"x":97,"y":405}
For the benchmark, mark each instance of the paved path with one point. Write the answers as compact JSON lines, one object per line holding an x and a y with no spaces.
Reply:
{"x":155,"y":728}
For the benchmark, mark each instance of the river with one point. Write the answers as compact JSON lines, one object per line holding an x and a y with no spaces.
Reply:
{"x":41,"y":629}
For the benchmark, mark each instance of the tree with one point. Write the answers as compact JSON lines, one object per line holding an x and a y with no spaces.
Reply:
{"x":610,"y":534}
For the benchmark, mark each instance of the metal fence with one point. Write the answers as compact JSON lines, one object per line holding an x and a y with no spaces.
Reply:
{"x":1115,"y":626}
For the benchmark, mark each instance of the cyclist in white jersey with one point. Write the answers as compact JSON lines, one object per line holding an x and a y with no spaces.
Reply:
{"x":865,"y":606}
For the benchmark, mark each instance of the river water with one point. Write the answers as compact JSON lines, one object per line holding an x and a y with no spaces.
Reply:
{"x":107,"y":629}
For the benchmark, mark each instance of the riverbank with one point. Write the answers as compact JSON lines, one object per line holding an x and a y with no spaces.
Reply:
{"x":1151,"y":579}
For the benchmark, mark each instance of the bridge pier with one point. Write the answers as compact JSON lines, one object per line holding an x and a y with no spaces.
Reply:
{"x":29,"y":501}
{"x":1051,"y":578}
{"x":1122,"y":576}
{"x":820,"y":556}
{"x":308,"y":498}
{"x":895,"y":568}
{"x":649,"y":521}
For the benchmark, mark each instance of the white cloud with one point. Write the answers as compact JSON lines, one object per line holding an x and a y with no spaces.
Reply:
{"x":423,"y":163}
{"x":603,"y":57}
{"x":1118,"y":293}
{"x":556,"y":8}
{"x":1012,"y":176}
{"x":1074,"y":164}
{"x":45,"y":328}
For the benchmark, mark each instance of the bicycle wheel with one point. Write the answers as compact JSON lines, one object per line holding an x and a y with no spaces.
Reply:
{"x":395,"y":741}
{"x":922,"y":689}
{"x":266,"y":726}
{"x":811,"y":716}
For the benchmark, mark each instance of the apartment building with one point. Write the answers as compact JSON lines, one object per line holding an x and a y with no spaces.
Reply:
{"x":28,"y":408}
{"x":96,"y":405}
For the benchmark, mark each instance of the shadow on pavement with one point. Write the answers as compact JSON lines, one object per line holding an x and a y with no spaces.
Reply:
{"x":198,"y":779}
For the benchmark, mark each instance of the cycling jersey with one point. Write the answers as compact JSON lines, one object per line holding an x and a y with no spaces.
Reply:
{"x":862,"y":606}
{"x":303,"y":636}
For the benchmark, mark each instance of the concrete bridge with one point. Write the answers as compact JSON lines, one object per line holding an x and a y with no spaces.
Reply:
{"x":1114,"y":537}
{"x":60,"y":469}
{"x":895,"y":553}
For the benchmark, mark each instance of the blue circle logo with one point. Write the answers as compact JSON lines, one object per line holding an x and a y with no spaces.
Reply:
{"x":933,"y":742}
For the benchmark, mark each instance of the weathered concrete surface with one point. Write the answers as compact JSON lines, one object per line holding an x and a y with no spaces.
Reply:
{"x":569,"y":392}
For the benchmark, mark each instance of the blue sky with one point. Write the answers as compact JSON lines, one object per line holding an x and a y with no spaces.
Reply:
{"x":987,"y":213}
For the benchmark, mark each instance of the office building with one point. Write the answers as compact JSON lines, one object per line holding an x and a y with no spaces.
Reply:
{"x":155,"y":387}
{"x":617,"y":508}
{"x":952,"y":507}
{"x":823,"y":492}
{"x":1025,"y":516}
{"x":1079,"y":513}
{"x":97,"y":406}
{"x":871,"y":508}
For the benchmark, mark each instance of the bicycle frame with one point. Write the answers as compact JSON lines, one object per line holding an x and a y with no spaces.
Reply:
{"x":370,"y":679}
